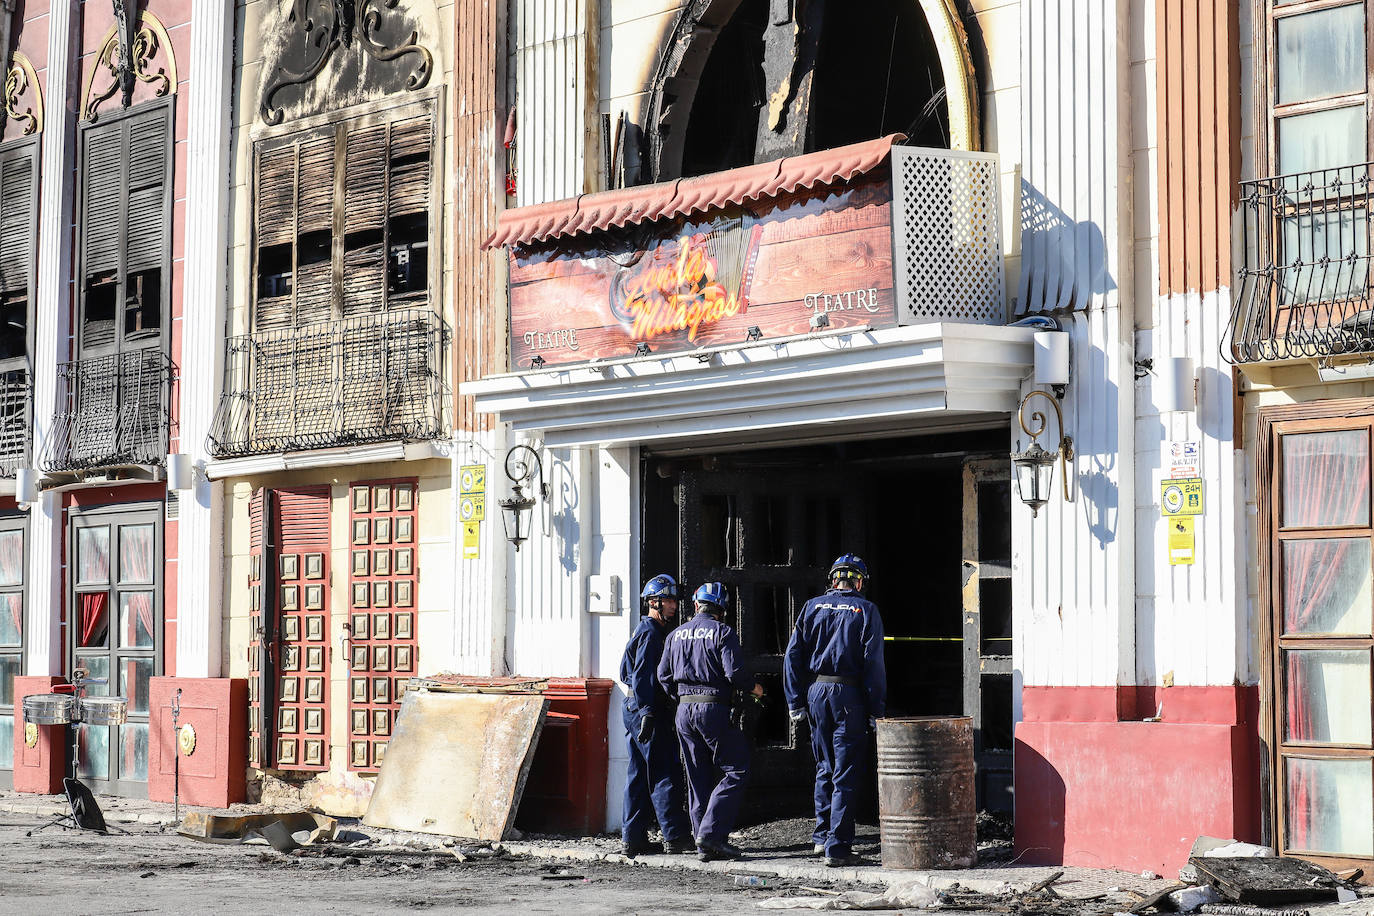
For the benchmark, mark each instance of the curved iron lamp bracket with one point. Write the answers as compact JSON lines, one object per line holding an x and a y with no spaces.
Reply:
{"x":518,"y":467}
{"x":1037,"y":417}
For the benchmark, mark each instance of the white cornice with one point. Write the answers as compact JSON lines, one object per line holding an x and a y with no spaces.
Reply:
{"x":323,"y":458}
{"x":890,"y":380}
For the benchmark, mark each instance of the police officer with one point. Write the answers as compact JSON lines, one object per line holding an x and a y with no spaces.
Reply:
{"x":703,"y":666}
{"x":653,"y":783}
{"x":834,"y":673}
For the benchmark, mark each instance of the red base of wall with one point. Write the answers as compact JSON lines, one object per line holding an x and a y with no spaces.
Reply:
{"x":215,"y":773}
{"x":38,"y":769}
{"x":1096,"y":786}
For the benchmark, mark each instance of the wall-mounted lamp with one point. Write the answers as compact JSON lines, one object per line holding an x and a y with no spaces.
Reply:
{"x":537,"y":361}
{"x":1052,"y":360}
{"x":517,"y":510}
{"x":819,"y":320}
{"x":181,"y":472}
{"x":753,"y":333}
{"x":643,"y":349}
{"x":1035,"y":466}
{"x":26,"y":486}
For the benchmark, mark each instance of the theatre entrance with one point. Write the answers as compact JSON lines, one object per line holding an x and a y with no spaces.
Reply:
{"x":920,"y":511}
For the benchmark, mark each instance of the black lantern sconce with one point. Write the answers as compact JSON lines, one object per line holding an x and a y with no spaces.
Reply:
{"x":1035,"y":466}
{"x":517,"y":510}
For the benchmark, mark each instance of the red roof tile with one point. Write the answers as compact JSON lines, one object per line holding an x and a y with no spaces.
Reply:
{"x":686,"y":196}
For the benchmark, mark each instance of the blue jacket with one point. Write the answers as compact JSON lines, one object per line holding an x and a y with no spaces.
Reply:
{"x":840,"y":634}
{"x":703,"y":656}
{"x":639,"y":665}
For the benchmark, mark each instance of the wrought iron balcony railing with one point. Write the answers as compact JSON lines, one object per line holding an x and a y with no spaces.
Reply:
{"x":1305,"y":286}
{"x":373,"y":378}
{"x":112,"y":411}
{"x":16,"y":406}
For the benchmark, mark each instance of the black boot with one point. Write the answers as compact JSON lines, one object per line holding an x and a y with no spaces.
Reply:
{"x":709,"y":851}
{"x":640,"y":848}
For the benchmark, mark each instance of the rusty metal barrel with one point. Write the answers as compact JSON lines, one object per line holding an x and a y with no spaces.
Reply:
{"x":927,"y":815}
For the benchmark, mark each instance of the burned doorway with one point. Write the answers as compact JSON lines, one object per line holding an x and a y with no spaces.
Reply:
{"x":768,"y":523}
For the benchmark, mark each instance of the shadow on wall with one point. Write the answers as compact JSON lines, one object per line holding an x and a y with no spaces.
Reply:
{"x":1063,"y":262}
{"x":1039,"y":794}
{"x":566,"y":497}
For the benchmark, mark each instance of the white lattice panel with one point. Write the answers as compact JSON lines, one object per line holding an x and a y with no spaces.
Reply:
{"x":947,"y":236}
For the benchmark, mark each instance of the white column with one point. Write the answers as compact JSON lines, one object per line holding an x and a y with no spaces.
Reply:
{"x":201,"y":526}
{"x":52,"y":330}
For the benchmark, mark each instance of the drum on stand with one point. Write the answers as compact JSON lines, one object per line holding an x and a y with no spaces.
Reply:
{"x":50,"y":709}
{"x":104,"y":710}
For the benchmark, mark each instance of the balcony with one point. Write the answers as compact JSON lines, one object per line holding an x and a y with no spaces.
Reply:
{"x":374,"y":378}
{"x":112,"y":411}
{"x":16,"y":402}
{"x":1305,"y":286}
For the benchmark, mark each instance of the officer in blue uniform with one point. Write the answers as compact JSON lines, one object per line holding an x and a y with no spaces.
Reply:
{"x":834,"y":678}
{"x":703,"y":667}
{"x":653,"y":783}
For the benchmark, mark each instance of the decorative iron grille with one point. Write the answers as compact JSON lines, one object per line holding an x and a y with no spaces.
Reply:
{"x":112,"y":411}
{"x":16,"y":402}
{"x":373,"y":378}
{"x":1304,"y":287}
{"x":947,"y":223}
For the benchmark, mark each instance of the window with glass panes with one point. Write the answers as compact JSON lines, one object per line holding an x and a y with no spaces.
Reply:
{"x":115,"y":622}
{"x":1318,"y":93}
{"x":12,"y":531}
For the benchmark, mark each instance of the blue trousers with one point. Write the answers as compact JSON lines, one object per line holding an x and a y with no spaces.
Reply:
{"x":839,"y":739}
{"x":653,"y":783}
{"x":717,"y":758}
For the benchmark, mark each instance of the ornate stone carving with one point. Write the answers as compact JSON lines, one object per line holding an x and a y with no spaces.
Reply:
{"x":318,"y":28}
{"x":127,"y":57}
{"x":20,"y":80}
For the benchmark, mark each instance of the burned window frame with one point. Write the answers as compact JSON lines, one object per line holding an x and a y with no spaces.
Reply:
{"x":87,"y":132}
{"x":342,"y":125}
{"x":26,"y":148}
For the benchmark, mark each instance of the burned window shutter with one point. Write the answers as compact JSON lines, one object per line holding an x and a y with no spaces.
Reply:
{"x":276,"y":231}
{"x":315,"y":231}
{"x":364,"y":268}
{"x":103,"y":166}
{"x":16,"y":214}
{"x":409,"y":191}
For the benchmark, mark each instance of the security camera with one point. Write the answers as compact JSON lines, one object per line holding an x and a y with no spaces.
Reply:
{"x":820,"y":320}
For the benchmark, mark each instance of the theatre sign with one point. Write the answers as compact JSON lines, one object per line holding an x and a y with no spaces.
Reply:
{"x":702,"y":262}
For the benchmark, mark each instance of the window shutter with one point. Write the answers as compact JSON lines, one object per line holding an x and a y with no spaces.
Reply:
{"x":147,"y":163}
{"x":364,"y":269}
{"x":411,"y":144}
{"x":315,"y":231}
{"x":102,"y":171}
{"x":16,"y":214}
{"x":276,"y":195}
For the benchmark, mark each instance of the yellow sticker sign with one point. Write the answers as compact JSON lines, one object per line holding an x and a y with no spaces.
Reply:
{"x":472,"y":480}
{"x":1182,"y":544}
{"x":1181,"y":497}
{"x":472,"y":508}
{"x":471,"y":535}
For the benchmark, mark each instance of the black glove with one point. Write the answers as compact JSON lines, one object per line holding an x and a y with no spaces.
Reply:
{"x":646,"y":728}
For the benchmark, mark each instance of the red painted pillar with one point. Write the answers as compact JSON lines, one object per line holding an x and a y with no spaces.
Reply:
{"x":38,"y":766}
{"x":214,"y":750}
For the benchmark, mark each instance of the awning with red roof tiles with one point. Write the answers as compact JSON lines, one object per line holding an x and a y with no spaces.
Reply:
{"x":685,"y":196}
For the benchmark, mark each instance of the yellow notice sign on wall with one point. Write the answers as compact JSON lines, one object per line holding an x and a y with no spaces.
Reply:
{"x":472,"y":532}
{"x":1181,"y":497}
{"x":1182,"y":545}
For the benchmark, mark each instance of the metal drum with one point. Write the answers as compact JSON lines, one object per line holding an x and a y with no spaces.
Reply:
{"x":104,"y":710}
{"x":50,"y":708}
{"x":927,"y":816}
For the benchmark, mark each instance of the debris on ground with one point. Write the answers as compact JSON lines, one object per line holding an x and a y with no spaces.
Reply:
{"x":1267,"y":881}
{"x":285,"y":832}
{"x":1216,"y":847}
{"x":1233,"y":909}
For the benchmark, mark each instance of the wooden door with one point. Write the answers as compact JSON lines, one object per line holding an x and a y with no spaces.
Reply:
{"x":770,"y":536}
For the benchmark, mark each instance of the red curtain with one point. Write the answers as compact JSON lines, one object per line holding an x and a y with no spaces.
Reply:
{"x":93,"y":607}
{"x":1321,"y":489}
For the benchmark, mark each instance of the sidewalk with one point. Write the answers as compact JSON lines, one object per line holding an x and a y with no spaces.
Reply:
{"x":798,"y":866}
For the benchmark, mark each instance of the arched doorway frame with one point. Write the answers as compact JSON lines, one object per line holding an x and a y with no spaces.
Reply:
{"x":687,"y":48}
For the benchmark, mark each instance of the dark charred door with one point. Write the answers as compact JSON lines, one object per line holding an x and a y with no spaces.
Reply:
{"x":770,"y":536}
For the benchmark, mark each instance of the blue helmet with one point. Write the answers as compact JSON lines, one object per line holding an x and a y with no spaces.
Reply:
{"x":661,"y":586}
{"x":713,"y":593}
{"x":848,"y":567}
